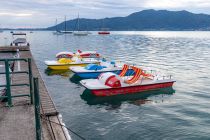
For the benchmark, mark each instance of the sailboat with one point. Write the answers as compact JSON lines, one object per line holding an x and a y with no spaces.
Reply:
{"x":78,"y":32}
{"x":65,"y":29}
{"x":57,"y":32}
{"x":1,"y":31}
{"x":104,"y":31}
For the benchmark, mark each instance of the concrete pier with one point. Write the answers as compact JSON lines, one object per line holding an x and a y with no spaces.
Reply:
{"x":18,"y":122}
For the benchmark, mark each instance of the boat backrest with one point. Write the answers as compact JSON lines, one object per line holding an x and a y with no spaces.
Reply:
{"x":64,"y":55}
{"x":124,"y":70}
{"x":136,"y":76}
{"x":88,"y":54}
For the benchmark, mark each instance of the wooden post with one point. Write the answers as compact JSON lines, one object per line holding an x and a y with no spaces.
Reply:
{"x":37,"y":109}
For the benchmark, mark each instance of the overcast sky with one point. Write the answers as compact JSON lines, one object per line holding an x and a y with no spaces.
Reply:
{"x":42,"y":13}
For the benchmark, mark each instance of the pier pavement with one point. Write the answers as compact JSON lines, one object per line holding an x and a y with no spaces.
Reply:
{"x":18,"y":122}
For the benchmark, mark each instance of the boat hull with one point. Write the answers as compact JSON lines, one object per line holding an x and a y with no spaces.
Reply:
{"x":131,"y":89}
{"x":80,"y":33}
{"x":95,"y":75}
{"x":64,"y":66}
{"x":103,"y":33}
{"x":66,"y":32}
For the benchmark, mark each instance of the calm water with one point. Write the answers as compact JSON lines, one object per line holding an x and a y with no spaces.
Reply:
{"x":179,"y":113}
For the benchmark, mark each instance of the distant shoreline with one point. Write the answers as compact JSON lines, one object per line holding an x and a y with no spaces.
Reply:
{"x":92,"y":30}
{"x":146,"y":20}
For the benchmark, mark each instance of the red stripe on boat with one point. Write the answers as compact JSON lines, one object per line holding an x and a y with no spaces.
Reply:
{"x":131,"y":89}
{"x":89,"y":55}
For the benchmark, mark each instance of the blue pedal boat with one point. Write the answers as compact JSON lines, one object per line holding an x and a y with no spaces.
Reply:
{"x":94,"y":70}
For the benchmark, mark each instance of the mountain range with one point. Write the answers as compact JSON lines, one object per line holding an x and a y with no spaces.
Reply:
{"x":143,"y":20}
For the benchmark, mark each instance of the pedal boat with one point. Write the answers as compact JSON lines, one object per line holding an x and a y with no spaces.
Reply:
{"x":67,"y":59}
{"x":64,"y":63}
{"x":79,"y":53}
{"x":109,"y":84}
{"x":94,"y":70}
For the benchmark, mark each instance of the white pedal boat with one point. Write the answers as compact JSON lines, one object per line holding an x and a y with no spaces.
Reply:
{"x":109,"y":83}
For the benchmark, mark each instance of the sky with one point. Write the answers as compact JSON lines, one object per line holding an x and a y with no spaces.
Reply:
{"x":43,"y":13}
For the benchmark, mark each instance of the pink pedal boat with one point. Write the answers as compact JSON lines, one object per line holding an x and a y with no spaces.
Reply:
{"x":109,"y":84}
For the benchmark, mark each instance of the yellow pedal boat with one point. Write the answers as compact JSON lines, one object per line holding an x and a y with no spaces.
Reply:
{"x":64,"y":63}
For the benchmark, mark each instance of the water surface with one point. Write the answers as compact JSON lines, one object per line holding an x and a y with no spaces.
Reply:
{"x":178,"y":113}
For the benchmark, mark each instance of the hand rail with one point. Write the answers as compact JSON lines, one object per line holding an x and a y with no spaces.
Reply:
{"x":8,"y":85}
{"x":15,"y":59}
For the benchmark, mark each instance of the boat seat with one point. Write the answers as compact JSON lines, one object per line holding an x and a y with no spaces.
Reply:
{"x":94,"y":67}
{"x":65,"y":61}
{"x":124,"y":70}
{"x":136,"y":76}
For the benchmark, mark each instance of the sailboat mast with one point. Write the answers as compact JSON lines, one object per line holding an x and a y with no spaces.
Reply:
{"x":56,"y":24}
{"x":78,"y":22}
{"x":102,"y":24}
{"x":65,"y":23}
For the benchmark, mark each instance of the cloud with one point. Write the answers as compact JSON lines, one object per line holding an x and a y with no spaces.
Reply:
{"x":42,"y":13}
{"x":176,"y":4}
{"x":163,"y":4}
{"x":15,"y":14}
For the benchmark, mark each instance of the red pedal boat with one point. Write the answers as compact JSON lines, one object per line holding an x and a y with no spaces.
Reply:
{"x":104,"y":33}
{"x":109,"y":84}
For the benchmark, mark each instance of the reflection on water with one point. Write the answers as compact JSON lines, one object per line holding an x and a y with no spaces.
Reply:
{"x":154,"y":115}
{"x":64,"y":73}
{"x":75,"y":79}
{"x":136,"y":98}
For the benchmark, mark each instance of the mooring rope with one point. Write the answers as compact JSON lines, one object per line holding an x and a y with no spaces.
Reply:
{"x":69,"y":129}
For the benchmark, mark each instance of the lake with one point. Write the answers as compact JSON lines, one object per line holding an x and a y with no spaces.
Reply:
{"x":181,"y":112}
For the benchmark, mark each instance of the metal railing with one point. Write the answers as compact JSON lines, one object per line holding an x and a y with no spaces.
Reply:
{"x":34,"y":90}
{"x":8,"y":85}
